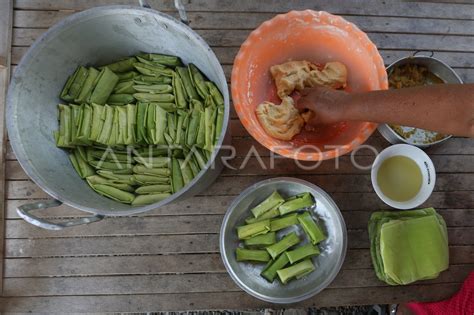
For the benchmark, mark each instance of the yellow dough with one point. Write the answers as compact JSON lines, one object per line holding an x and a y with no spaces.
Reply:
{"x":280,"y":121}
{"x":289,"y":76}
{"x":284,"y":121}
{"x":333,"y":75}
{"x":297,"y":75}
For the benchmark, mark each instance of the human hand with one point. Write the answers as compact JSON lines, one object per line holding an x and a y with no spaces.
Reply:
{"x":326,"y":104}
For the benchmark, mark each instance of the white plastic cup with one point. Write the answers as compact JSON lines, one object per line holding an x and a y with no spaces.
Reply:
{"x":426,"y":167}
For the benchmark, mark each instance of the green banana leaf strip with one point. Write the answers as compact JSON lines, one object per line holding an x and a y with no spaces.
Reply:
{"x":96,"y":179}
{"x":127,"y":76}
{"x":155,"y":161}
{"x":74,"y":85}
{"x":186,"y":172}
{"x":198,"y":81}
{"x":154,"y":171}
{"x":154,"y":89}
{"x":114,"y":193}
{"x":149,"y":97}
{"x":142,"y":200}
{"x":179,"y":91}
{"x":98,"y":118}
{"x":149,"y":80}
{"x":270,"y":270}
{"x":125,"y":65}
{"x":210,"y":114}
{"x":130,"y":137}
{"x":64,"y":137}
{"x":215,"y":93}
{"x":142,"y":109}
{"x":193,"y":128}
{"x":153,"y":189}
{"x":187,"y":83}
{"x":150,"y":180}
{"x":124,"y":87}
{"x":107,"y":126}
{"x":87,"y":86}
{"x":106,"y":81}
{"x":160,"y":124}
{"x":120,"y":99}
{"x":166,"y":60}
{"x":112,"y":166}
{"x":177,"y":181}
{"x":219,"y":124}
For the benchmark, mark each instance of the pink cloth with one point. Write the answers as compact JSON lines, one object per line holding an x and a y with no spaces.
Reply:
{"x":462,"y":303}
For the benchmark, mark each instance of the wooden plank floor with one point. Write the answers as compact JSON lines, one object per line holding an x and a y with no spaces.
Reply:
{"x":168,"y":259}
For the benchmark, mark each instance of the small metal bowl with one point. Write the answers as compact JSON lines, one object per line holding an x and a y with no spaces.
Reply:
{"x":437,"y":67}
{"x":328,"y":263}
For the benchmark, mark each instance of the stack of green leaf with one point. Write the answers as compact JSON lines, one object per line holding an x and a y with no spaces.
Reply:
{"x":407,"y":246}
{"x":141,"y":128}
{"x":260,"y":242}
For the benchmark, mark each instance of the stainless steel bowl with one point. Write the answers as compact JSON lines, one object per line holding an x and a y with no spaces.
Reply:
{"x":328,"y":263}
{"x":437,"y":67}
{"x":96,"y":36}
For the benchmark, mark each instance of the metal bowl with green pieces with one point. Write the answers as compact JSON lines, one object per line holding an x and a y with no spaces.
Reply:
{"x":327,"y":264}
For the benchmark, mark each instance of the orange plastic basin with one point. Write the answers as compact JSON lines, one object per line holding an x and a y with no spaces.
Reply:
{"x":318,"y":37}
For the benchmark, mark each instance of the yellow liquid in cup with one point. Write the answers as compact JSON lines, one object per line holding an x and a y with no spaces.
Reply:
{"x":399,"y":178}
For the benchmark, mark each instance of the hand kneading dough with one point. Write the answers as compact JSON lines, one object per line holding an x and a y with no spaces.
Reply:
{"x":284,"y":121}
{"x":280,"y":121}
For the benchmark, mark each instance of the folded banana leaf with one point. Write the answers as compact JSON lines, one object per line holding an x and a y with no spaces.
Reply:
{"x":141,"y":200}
{"x":124,"y":65}
{"x":154,"y":89}
{"x":166,"y":60}
{"x":98,"y":118}
{"x":130,"y":136}
{"x":150,"y":180}
{"x":87,"y":86}
{"x":154,"y":171}
{"x":120,"y":99}
{"x":127,"y":76}
{"x":124,"y":87}
{"x":179,"y":91}
{"x":142,"y":110}
{"x":96,"y":179}
{"x":186,"y":171}
{"x":198,"y":81}
{"x":114,"y":193}
{"x":149,"y":80}
{"x":63,"y":135}
{"x":183,"y":73}
{"x":84,"y":129}
{"x":103,"y":87}
{"x":153,"y":189}
{"x":149,"y":97}
{"x":215,"y":93}
{"x":74,"y":84}
{"x":177,"y":181}
{"x":407,"y":246}
{"x":80,"y":164}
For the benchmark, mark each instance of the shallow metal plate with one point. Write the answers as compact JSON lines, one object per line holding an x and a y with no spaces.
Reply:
{"x":328,"y":263}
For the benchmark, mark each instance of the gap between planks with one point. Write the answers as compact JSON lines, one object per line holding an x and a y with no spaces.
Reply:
{"x":187,"y":283}
{"x":25,"y":19}
{"x":234,"y":300}
{"x":33,"y":267}
{"x":373,"y":7}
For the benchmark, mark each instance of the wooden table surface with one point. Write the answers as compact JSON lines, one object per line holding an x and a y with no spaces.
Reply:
{"x":168,"y":259}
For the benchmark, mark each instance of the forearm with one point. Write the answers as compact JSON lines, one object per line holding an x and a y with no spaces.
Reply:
{"x":444,"y":108}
